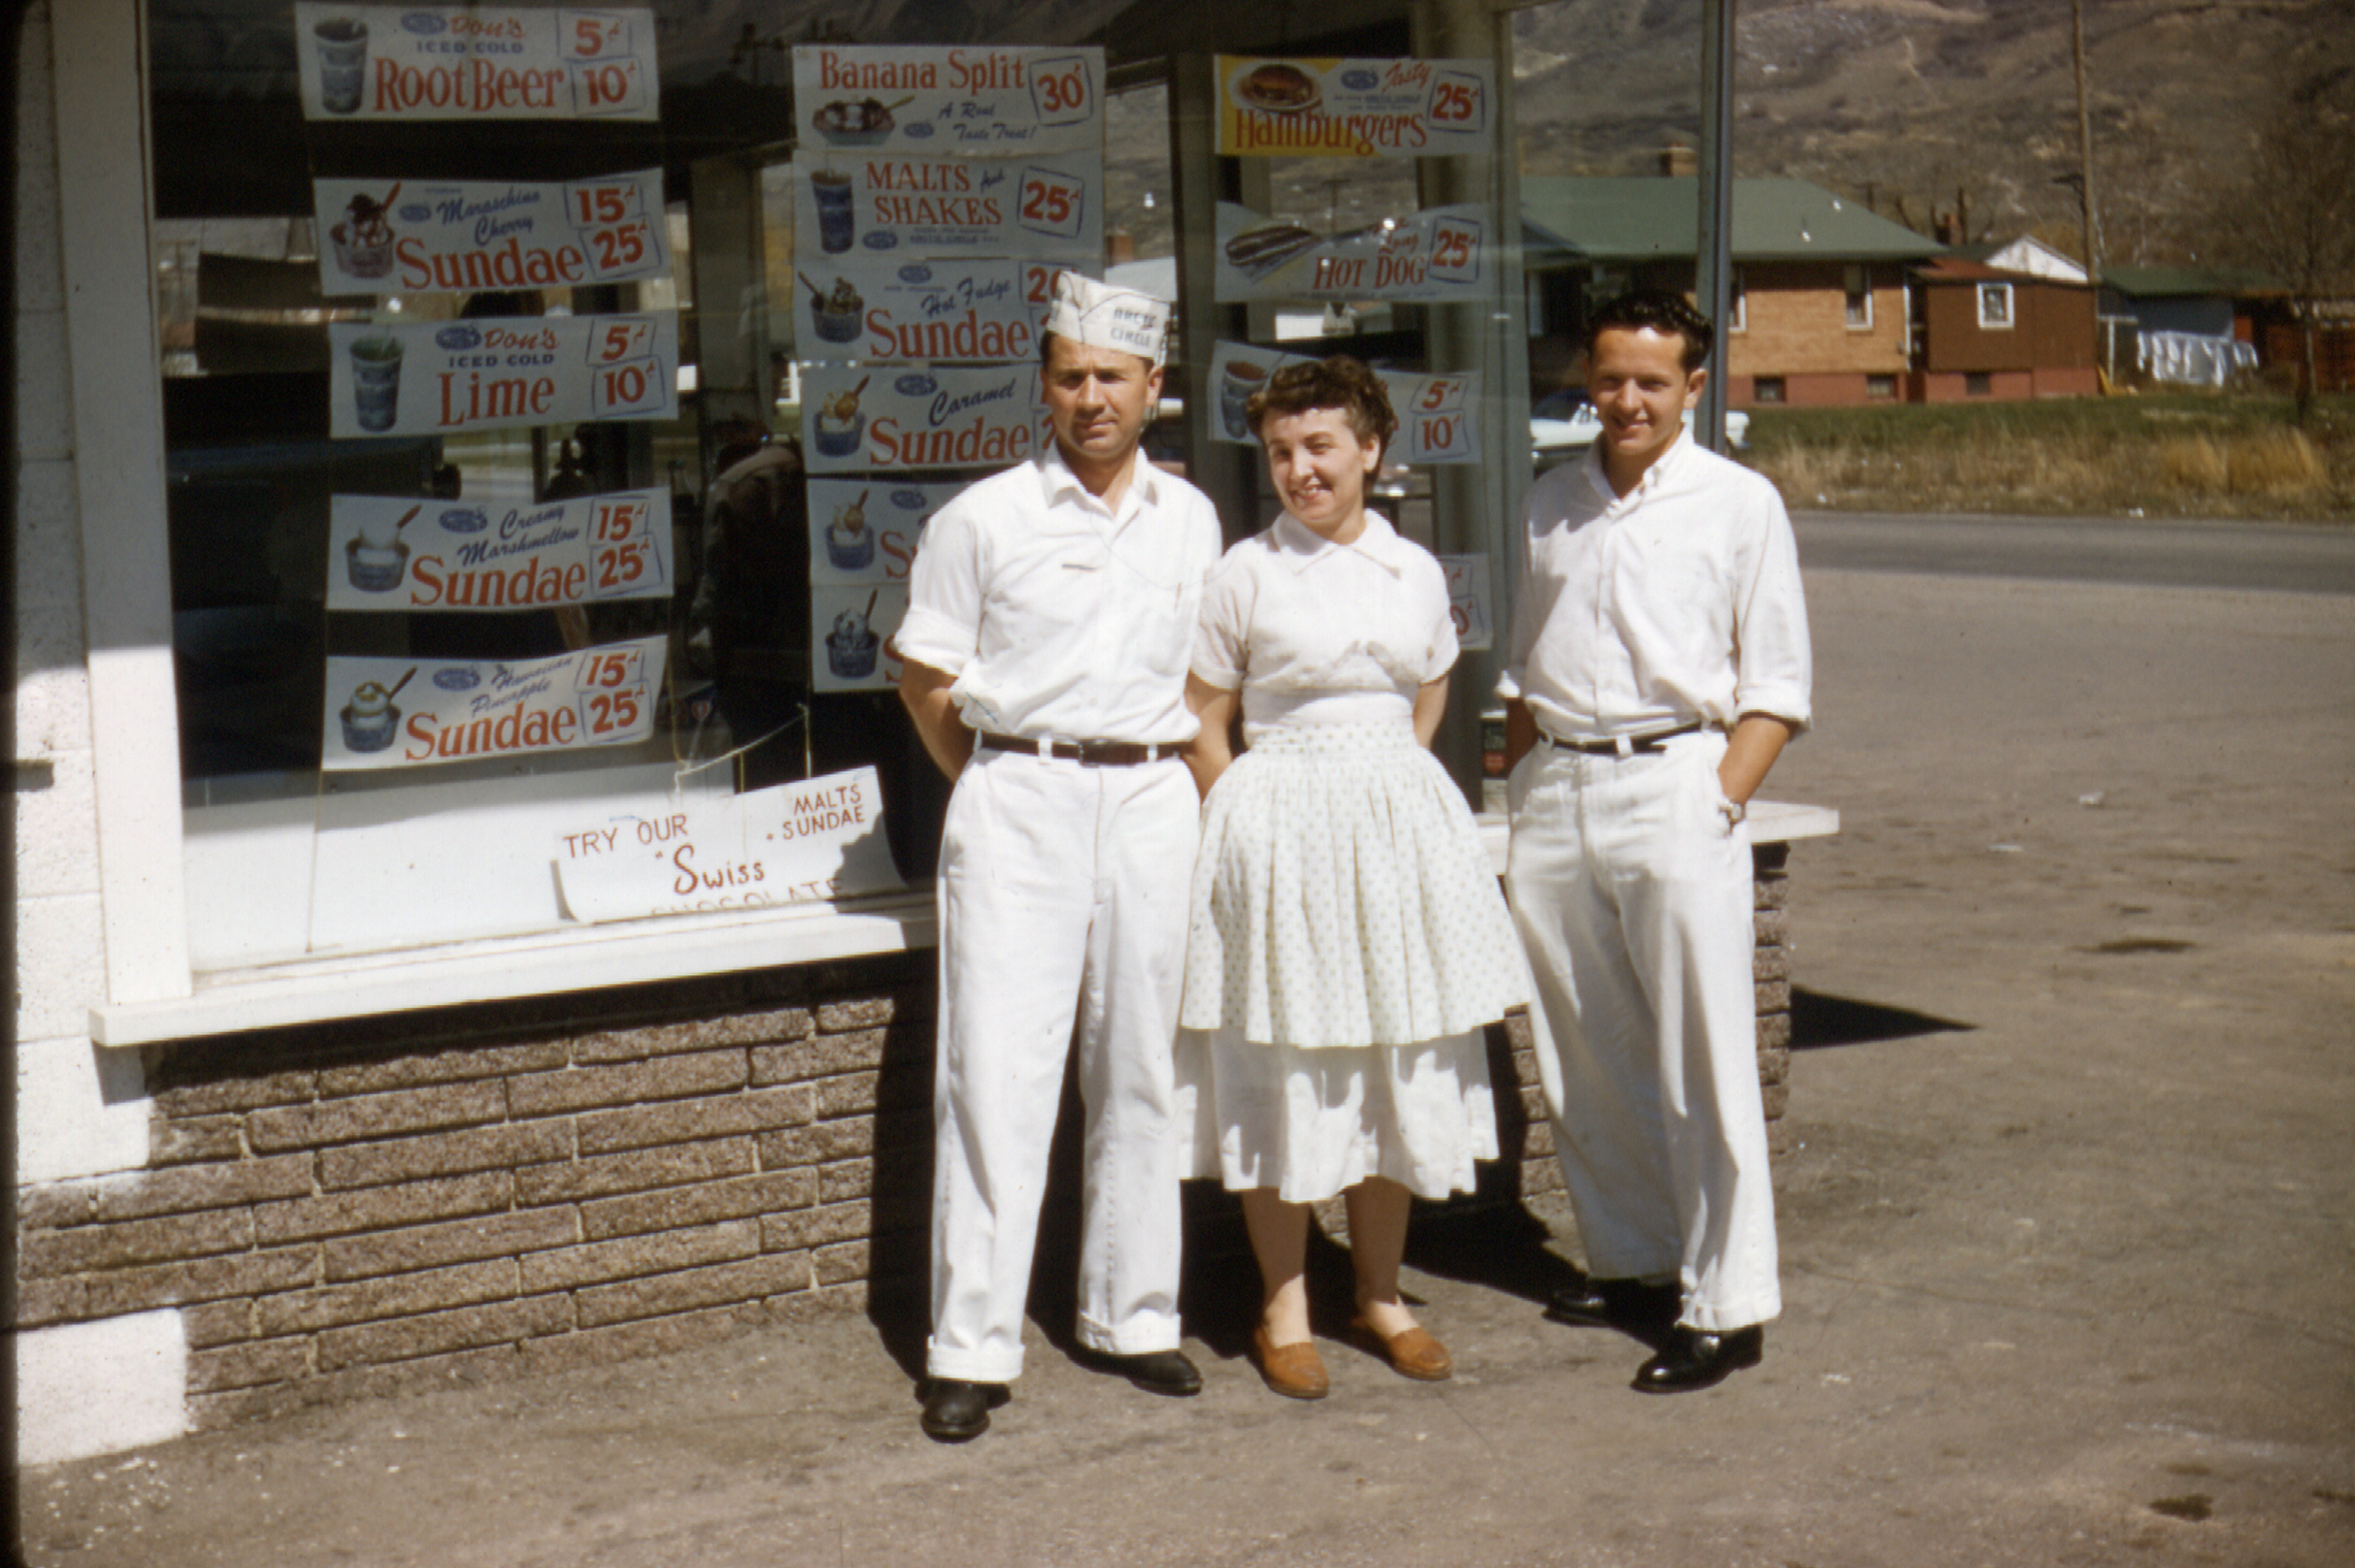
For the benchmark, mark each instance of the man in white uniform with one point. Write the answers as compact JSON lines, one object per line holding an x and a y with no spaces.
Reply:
{"x":1659,"y":661}
{"x":1051,"y":614}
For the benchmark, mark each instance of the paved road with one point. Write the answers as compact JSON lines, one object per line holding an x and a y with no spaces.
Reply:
{"x":2285,"y":558}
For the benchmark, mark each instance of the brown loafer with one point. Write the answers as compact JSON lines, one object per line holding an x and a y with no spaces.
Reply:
{"x":1413,"y":1354}
{"x":1296,"y":1372}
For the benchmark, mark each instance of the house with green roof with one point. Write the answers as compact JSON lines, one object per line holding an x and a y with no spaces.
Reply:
{"x":1820,"y":308}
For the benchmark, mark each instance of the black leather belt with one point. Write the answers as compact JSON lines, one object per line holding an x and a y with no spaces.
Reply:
{"x":1651,"y":743}
{"x":1093,"y":754}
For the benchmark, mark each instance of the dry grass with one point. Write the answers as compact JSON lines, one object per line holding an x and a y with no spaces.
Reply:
{"x":2179,"y":456}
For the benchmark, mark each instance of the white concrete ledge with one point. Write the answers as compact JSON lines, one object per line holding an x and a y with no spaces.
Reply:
{"x":1770,"y":822}
{"x":575,"y":958}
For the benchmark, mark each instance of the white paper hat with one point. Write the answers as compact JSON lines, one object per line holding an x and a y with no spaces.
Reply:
{"x":1102,"y":316}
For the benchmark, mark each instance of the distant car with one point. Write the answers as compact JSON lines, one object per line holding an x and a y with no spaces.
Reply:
{"x":1565,"y":424}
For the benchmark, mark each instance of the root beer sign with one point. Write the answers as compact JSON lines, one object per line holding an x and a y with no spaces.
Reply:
{"x":470,"y":63}
{"x":425,"y":235}
{"x":388,"y":554}
{"x":414,"y":713}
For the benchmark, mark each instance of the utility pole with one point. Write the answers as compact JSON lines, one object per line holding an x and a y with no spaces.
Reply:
{"x":2092,"y":228}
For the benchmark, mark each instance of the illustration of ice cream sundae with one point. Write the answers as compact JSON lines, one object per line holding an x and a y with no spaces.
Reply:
{"x":370,"y":718}
{"x":376,"y":559}
{"x":363,"y":241}
{"x":835,"y":315}
{"x":840,"y":424}
{"x":850,"y":542}
{"x":851,"y":646}
{"x":860,"y":124}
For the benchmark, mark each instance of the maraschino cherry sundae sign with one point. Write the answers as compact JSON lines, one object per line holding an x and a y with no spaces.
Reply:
{"x":388,"y":236}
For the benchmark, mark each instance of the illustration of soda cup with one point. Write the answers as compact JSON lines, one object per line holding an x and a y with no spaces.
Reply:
{"x":837,"y":225}
{"x":1241,"y":379}
{"x":343,"y":43}
{"x":376,"y":381}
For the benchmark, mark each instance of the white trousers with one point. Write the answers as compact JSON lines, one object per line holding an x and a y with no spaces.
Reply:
{"x":1064,"y":896}
{"x":1632,"y":895}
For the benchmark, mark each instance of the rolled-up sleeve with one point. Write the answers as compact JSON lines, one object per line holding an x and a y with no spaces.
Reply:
{"x":943,"y":627}
{"x":1773,"y":661}
{"x":1219,"y":636}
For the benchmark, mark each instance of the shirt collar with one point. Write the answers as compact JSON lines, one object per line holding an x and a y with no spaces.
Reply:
{"x":1057,"y":479}
{"x":1300,"y":547}
{"x":1663,"y":471}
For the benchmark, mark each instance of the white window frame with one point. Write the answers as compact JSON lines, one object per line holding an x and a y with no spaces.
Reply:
{"x":2011,"y":307}
{"x":105,"y":216}
{"x":1856,"y":284}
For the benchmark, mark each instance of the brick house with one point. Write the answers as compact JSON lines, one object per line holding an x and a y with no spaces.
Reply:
{"x":1987,"y":331}
{"x":1820,"y":313}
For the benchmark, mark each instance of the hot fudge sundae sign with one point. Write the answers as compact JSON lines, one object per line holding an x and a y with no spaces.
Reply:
{"x":799,"y":843}
{"x":982,"y":101}
{"x":942,"y":312}
{"x":419,"y":237}
{"x":388,"y":553}
{"x":413,"y":713}
{"x":471,"y":62}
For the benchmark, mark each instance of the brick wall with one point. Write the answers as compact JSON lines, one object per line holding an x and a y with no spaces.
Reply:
{"x":347,"y":1210}
{"x":1796,"y":323}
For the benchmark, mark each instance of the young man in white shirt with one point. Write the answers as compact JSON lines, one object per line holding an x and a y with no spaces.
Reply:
{"x":1659,"y":662}
{"x":1051,"y":614}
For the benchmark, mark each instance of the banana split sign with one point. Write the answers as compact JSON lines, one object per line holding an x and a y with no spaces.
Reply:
{"x":382,"y":236}
{"x":470,"y":63}
{"x":1355,"y":107}
{"x":1437,"y":415}
{"x":987,"y":102}
{"x":802,"y":843}
{"x":881,"y":418}
{"x":429,"y":378}
{"x":389,"y":553}
{"x":414,"y":713}
{"x":1437,"y":255}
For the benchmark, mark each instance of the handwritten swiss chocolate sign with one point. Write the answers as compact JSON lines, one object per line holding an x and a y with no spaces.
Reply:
{"x":890,"y":205}
{"x":1353,"y":108}
{"x":426,"y":377}
{"x":1437,"y":415}
{"x":470,"y":63}
{"x":980,"y":101}
{"x":851,"y":628}
{"x":865,"y":530}
{"x":943,"y":312}
{"x":1437,"y":254}
{"x":798,"y":843}
{"x":420,"y":235}
{"x":414,"y":713}
{"x":388,"y":553}
{"x":878,"y":418}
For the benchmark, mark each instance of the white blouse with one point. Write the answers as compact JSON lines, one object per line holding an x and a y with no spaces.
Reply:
{"x":1315,"y":632}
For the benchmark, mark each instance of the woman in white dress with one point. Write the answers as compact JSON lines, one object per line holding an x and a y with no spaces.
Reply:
{"x":1349,"y":942}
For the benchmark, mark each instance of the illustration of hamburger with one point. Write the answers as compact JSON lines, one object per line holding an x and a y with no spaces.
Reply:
{"x":1276,"y":88}
{"x":840,"y":424}
{"x":850,"y":542}
{"x":851,"y":646}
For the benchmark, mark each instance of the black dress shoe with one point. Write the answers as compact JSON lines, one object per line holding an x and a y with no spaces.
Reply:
{"x":1627,"y":1303}
{"x":1155,"y":1371}
{"x":956,"y":1411}
{"x":1696,"y":1359}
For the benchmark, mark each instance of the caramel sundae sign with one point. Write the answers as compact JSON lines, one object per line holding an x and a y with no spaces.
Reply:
{"x":880,"y":418}
{"x":413,"y":237}
{"x":865,"y":531}
{"x":943,"y":312}
{"x":428,"y":377}
{"x":1353,"y":108}
{"x":386,"y":553}
{"x":802,"y":843}
{"x":1437,"y":415}
{"x":471,"y":62}
{"x":1433,"y":256}
{"x":887,"y":206}
{"x":987,"y":102}
{"x":414,"y":713}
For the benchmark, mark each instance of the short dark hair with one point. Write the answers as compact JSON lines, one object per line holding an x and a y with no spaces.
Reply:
{"x":1658,"y":310}
{"x":1340,"y":383}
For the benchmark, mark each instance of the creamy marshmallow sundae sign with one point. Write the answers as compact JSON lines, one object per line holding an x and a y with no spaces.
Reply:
{"x":419,"y":237}
{"x":411,"y":713}
{"x":800,"y":843}
{"x":987,"y":102}
{"x":453,"y":62}
{"x":388,"y":554}
{"x":399,"y":377}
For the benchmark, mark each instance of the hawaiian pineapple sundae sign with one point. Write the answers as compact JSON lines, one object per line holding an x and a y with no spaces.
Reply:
{"x":414,"y":713}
